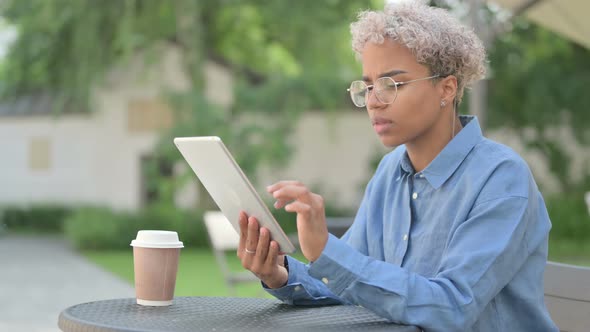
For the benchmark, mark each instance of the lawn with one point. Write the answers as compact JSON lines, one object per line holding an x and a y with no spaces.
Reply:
{"x":571,"y":252}
{"x":199,"y":275}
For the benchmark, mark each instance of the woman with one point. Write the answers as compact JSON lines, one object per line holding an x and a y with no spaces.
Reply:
{"x":452,"y":231}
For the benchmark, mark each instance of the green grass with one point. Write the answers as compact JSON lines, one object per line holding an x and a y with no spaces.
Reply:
{"x":198,"y":272}
{"x":570,"y":252}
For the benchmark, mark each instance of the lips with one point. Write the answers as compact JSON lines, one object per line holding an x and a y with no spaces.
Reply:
{"x":381,"y":125}
{"x":380,"y":120}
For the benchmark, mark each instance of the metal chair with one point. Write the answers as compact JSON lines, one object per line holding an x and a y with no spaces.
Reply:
{"x":567,"y":296}
{"x":224,"y":238}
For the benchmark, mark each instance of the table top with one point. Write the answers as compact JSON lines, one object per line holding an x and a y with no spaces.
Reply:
{"x":220,"y":314}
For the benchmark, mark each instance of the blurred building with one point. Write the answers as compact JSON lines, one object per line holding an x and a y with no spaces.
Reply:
{"x":98,"y":157}
{"x":90,"y":157}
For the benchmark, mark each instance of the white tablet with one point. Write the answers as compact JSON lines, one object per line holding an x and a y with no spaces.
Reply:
{"x":228,"y":186}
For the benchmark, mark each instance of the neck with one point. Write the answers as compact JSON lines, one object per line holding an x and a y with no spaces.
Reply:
{"x":424,"y":148}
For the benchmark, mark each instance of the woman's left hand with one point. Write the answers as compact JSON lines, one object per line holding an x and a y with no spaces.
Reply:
{"x":311,"y":217}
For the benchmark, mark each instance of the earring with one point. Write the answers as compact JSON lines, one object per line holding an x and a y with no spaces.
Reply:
{"x":443,"y":103}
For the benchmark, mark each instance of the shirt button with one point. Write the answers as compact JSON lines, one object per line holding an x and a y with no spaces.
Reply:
{"x":414,"y":195}
{"x":405,"y":237}
{"x":297,"y":288}
{"x":325,"y":280}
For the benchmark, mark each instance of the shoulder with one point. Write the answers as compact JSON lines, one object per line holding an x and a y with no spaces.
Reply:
{"x":504,"y":172}
{"x":500,"y":157}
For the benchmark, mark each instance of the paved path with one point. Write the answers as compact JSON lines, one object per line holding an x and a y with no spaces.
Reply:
{"x":40,"y":276}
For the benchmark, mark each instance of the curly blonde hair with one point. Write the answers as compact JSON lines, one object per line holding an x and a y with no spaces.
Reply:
{"x":436,"y":38}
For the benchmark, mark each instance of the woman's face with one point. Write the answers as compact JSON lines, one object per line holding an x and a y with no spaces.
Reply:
{"x":416,"y":110}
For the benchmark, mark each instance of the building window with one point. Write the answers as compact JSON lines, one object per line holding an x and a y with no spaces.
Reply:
{"x":145,"y":116}
{"x":39,"y":154}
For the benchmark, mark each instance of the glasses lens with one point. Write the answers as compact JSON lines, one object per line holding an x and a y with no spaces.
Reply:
{"x":358,"y":91}
{"x":386,"y":90}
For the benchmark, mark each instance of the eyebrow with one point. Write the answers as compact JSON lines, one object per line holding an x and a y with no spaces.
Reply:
{"x":387,"y":74}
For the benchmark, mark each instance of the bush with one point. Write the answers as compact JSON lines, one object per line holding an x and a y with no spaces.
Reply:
{"x":100,"y":228}
{"x":43,"y":218}
{"x":569,"y":216}
{"x":189,"y":224}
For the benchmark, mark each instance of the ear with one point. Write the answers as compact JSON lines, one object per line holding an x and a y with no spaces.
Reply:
{"x":448,"y":89}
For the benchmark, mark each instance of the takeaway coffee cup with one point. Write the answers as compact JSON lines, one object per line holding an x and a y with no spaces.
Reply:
{"x":155,"y":262}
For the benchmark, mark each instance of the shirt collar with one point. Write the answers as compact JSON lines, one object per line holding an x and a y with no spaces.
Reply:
{"x":453,"y":154}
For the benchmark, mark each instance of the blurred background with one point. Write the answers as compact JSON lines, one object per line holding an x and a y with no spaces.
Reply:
{"x":93,"y":92}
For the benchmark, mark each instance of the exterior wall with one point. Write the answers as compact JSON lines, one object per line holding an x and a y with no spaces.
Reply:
{"x":335,"y":151}
{"x":333,"y":154}
{"x":92,"y":161}
{"x":95,"y":158}
{"x":68,"y":160}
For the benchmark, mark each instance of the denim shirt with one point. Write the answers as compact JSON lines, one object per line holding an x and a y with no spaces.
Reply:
{"x":460,"y":246}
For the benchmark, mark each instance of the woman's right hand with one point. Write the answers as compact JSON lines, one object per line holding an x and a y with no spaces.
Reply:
{"x":259,"y":254}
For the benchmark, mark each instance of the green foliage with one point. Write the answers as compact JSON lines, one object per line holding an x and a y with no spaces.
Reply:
{"x":251,"y":142}
{"x":319,"y":91}
{"x":42,"y":218}
{"x":536,"y":78}
{"x":63,"y":47}
{"x":570,"y":217}
{"x":99,"y":228}
{"x":564,"y":250}
{"x":188,"y":224}
{"x":66,"y":47}
{"x":285,"y":57}
{"x":540,"y":80}
{"x":198,"y":272}
{"x":557,"y":158}
{"x":287,"y":220}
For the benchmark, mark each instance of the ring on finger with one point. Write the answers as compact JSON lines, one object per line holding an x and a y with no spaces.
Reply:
{"x":251,"y":252}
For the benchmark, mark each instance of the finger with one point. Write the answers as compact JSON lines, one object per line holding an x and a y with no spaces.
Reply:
{"x":280,"y":257}
{"x":253,"y":231}
{"x":273,"y":253}
{"x":279,"y":204}
{"x":276,"y":186}
{"x":263,"y":242}
{"x":299,"y":208}
{"x":243,"y":221}
{"x":291,"y":193}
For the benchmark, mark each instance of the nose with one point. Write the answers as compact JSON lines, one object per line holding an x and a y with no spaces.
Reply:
{"x":372,"y":101}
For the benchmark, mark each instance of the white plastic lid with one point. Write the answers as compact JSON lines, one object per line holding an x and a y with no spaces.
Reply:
{"x":157,"y":239}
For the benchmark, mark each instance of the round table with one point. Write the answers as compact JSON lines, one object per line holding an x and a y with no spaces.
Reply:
{"x":220,"y":314}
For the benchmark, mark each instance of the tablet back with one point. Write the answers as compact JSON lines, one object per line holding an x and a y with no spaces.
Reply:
{"x":228,"y":186}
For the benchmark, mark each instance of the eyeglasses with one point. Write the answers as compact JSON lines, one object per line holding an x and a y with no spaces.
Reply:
{"x":385,"y":89}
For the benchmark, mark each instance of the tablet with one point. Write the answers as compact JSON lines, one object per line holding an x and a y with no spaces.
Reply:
{"x":228,"y":186}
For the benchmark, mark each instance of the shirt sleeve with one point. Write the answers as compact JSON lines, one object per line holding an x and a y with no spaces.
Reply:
{"x":302,"y":288}
{"x":475,"y":267}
